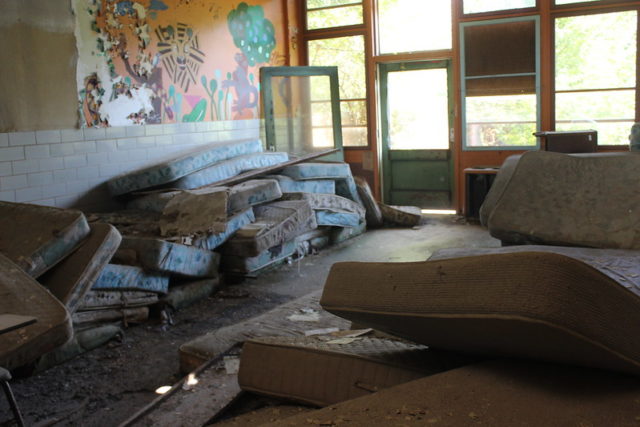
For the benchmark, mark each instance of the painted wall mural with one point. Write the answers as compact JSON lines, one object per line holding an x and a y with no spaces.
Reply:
{"x":169,"y":61}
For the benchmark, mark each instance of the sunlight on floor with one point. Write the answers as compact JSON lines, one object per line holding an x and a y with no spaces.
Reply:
{"x":438,"y":211}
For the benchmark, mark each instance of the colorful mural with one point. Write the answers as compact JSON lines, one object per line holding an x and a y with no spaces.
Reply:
{"x":168,"y":61}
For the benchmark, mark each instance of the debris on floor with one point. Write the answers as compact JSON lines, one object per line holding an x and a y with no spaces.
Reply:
{"x":189,"y":223}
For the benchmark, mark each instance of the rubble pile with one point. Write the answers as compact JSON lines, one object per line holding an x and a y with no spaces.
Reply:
{"x":181,"y":230}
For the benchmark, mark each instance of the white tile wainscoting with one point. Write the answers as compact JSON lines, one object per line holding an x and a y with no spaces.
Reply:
{"x":68,"y":168}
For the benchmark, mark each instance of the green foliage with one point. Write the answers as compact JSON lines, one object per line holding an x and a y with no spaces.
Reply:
{"x":252,"y":33}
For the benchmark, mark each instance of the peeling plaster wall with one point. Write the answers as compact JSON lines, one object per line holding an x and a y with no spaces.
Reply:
{"x":44,"y":158}
{"x":37,"y":65}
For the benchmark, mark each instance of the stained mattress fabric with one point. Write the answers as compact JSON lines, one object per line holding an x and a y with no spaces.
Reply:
{"x":406,"y":216}
{"x":570,"y":200}
{"x":169,"y":258}
{"x":20,"y":294}
{"x":275,"y":223}
{"x":38,"y":237}
{"x":499,"y":184}
{"x":340,"y":172}
{"x":495,"y":393}
{"x":322,"y":371}
{"x":126,"y":277}
{"x":233,"y":224}
{"x":290,"y":185}
{"x":534,"y":305}
{"x":621,"y":265}
{"x":72,"y":278}
{"x":176,"y":168}
{"x":229,"y":168}
{"x":254,"y":264}
{"x":241,"y":196}
{"x":373,"y":213}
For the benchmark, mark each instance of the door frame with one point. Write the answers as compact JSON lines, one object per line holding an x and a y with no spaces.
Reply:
{"x":383,"y":117}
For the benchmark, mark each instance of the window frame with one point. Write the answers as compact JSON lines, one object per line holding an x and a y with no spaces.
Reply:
{"x":305,"y":21}
{"x":500,"y":12}
{"x":463,"y":84}
{"x":594,"y":11}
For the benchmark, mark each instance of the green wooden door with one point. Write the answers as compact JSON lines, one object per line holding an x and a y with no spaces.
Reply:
{"x":416,"y":124}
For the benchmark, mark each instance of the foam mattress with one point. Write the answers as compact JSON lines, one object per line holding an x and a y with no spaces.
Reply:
{"x":20,"y":294}
{"x":71,"y":279}
{"x":322,"y":371}
{"x":126,"y":277}
{"x":495,"y":393}
{"x":534,"y":305}
{"x":176,"y":168}
{"x":38,"y":237}
{"x":169,"y":258}
{"x":229,"y":168}
{"x":570,"y":200}
{"x":290,"y":185}
{"x":275,"y":223}
{"x":233,"y":224}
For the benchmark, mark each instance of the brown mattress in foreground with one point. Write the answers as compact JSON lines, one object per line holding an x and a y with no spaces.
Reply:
{"x":324,"y":370}
{"x":20,"y":294}
{"x":533,"y":305}
{"x":495,"y":393}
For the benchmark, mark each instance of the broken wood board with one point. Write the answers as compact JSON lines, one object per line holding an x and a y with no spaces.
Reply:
{"x":127,"y":277}
{"x":273,"y":323}
{"x":229,"y":168}
{"x":176,"y":168}
{"x":38,"y":237}
{"x":22,"y":295}
{"x":499,"y":393}
{"x":276,"y":223}
{"x":72,"y":278}
{"x":167,"y":257}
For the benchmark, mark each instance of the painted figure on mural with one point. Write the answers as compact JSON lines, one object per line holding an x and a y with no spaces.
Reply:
{"x":246,"y":93}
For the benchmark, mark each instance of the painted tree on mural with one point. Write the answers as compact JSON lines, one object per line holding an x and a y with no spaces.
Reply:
{"x":255,"y":36}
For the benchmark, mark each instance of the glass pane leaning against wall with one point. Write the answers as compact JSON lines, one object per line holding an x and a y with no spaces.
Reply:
{"x":595,"y":74}
{"x":348,"y":54}
{"x":500,"y":83}
{"x":414,"y":25}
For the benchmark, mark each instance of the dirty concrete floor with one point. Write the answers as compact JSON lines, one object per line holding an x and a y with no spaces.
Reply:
{"x":107,"y":385}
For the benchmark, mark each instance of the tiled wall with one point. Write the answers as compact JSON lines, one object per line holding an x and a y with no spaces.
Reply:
{"x":68,"y":168}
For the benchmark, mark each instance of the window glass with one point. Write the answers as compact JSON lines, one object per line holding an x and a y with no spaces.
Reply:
{"x":333,"y":13}
{"x":479,"y":6}
{"x":414,"y":25}
{"x":418,"y":100}
{"x":501,"y":121}
{"x":348,"y":54}
{"x":500,"y":84}
{"x":574,"y":1}
{"x":595,"y":60}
